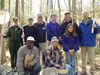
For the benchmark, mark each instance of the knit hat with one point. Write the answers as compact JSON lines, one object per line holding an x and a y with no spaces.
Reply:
{"x":54,"y":39}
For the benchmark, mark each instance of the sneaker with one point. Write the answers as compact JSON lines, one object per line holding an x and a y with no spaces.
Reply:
{"x":83,"y":73}
{"x":13,"y":70}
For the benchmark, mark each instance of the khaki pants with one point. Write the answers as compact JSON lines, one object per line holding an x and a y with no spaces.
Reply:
{"x":90,"y":51}
{"x":42,"y":46}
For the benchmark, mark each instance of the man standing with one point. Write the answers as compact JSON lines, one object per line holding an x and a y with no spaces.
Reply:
{"x":68,"y":20}
{"x":53,"y":28}
{"x":30,"y":30}
{"x":14,"y":33}
{"x":41,"y":27}
{"x":33,"y":66}
{"x":87,"y":41}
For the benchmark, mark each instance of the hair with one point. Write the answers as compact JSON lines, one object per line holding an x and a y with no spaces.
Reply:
{"x":67,"y":13}
{"x":67,"y":33}
{"x":53,"y":15}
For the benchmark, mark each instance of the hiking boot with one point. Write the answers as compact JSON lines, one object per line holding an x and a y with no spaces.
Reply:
{"x":83,"y":73}
{"x":91,"y":73}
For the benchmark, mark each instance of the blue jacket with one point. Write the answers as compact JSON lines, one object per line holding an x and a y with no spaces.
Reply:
{"x":86,"y":37}
{"x":53,"y":30}
{"x":70,"y":43}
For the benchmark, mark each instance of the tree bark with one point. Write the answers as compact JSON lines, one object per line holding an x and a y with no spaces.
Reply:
{"x":59,"y":11}
{"x":16,"y":8}
{"x":9,"y":12}
{"x":2,"y":4}
{"x":69,"y":4}
{"x":74,"y":10}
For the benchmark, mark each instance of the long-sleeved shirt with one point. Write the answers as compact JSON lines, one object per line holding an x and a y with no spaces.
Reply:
{"x":22,"y":52}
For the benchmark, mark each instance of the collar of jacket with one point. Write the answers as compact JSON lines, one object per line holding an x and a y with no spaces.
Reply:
{"x":40,"y":24}
{"x":90,"y":21}
{"x":53,"y":23}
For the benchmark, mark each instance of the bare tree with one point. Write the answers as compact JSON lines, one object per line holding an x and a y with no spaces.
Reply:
{"x":69,"y":4}
{"x":2,"y":4}
{"x":9,"y":12}
{"x":59,"y":11}
{"x":16,"y":8}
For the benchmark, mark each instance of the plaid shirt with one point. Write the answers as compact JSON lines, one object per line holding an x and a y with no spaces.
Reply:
{"x":53,"y":58}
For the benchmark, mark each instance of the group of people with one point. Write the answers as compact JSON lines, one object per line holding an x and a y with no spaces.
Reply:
{"x":39,"y":36}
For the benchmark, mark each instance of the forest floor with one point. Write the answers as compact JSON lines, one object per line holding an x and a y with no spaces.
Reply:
{"x":79,"y":61}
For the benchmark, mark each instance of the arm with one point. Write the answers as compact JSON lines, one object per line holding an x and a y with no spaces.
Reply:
{"x":76,"y":45}
{"x":20,"y":62}
{"x":7,"y":34}
{"x":97,"y":29}
{"x":65,"y":46}
{"x":36,"y":59}
{"x":49,"y":33}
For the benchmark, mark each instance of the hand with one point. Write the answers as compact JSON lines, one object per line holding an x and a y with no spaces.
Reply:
{"x":93,"y":25}
{"x":60,"y":39}
{"x":71,"y":52}
{"x":1,"y":35}
{"x":28,"y":66}
{"x":22,"y":36}
{"x":62,"y":67}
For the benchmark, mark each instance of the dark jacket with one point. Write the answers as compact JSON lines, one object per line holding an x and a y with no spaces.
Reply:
{"x":70,"y":43}
{"x":31,"y":31}
{"x":86,"y":37}
{"x":14,"y":34}
{"x":41,"y":32}
{"x":53,"y":30}
{"x":64,"y":25}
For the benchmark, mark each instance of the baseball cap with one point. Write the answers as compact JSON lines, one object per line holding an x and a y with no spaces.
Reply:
{"x":30,"y":38}
{"x":30,"y":17}
{"x":15,"y":18}
{"x":39,"y":15}
{"x":54,"y":39}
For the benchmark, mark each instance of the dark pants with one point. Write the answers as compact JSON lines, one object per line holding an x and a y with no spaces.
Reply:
{"x":34,"y":71}
{"x":13,"y":48}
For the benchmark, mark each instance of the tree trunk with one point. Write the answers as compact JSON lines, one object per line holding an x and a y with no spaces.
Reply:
{"x":3,"y":57}
{"x":74,"y":10}
{"x":93,"y":8}
{"x":69,"y":4}
{"x":59,"y":11}
{"x":16,"y":8}
{"x":9,"y":12}
{"x":2,"y":4}
{"x":22,"y":13}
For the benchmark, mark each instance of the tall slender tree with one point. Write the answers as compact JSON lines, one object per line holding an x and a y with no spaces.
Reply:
{"x":16,"y":8}
{"x":59,"y":11}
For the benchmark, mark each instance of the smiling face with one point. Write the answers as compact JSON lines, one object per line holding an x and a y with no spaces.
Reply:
{"x":70,"y":29}
{"x":55,"y":44}
{"x":54,"y":18}
{"x":85,"y":15}
{"x":30,"y":21}
{"x":67,"y":17}
{"x":15,"y":22}
{"x":30,"y":44}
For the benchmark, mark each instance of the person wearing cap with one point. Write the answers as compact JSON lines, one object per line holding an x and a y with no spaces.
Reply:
{"x":14,"y":33}
{"x":53,"y":56}
{"x":30,"y":30}
{"x":40,"y":25}
{"x":53,"y":28}
{"x":68,"y":20}
{"x":33,"y":67}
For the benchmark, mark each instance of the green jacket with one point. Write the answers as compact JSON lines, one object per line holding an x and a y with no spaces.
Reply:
{"x":14,"y":34}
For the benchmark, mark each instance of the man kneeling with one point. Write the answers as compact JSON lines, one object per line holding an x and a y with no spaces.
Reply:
{"x":28,"y":58}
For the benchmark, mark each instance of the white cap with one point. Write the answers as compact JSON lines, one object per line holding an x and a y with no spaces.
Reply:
{"x":54,"y":39}
{"x":30,"y":38}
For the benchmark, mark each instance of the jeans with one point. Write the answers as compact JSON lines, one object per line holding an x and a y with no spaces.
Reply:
{"x":71,"y":61}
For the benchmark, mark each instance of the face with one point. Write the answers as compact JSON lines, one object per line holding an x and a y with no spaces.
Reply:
{"x":30,"y":21}
{"x":40,"y":19}
{"x":53,"y":18}
{"x":85,"y":15}
{"x":55,"y":44}
{"x":30,"y":44}
{"x":67,"y":17}
{"x":70,"y":29}
{"x":15,"y":22}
